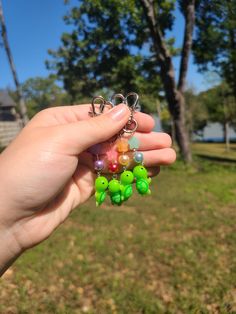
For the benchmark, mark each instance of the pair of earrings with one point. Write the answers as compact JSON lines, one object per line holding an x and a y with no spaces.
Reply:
{"x":119,"y":154}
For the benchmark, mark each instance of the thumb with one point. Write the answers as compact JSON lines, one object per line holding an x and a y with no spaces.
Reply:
{"x":80,"y":135}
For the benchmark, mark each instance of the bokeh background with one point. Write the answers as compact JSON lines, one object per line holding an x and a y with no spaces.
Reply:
{"x":172,"y":252}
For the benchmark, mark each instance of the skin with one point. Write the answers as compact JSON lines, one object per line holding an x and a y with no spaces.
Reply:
{"x":45,"y":172}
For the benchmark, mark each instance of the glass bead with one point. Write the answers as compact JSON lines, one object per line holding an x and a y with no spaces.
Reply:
{"x":112,"y":154}
{"x":133,"y":143}
{"x":122,"y":145}
{"x":99,"y":165}
{"x":138,"y":157}
{"x":124,"y":160}
{"x":113,"y":167}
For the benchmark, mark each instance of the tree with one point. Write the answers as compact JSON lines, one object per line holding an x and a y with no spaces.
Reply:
{"x":22,"y":106}
{"x":124,"y":47}
{"x":221,"y":107}
{"x":154,"y":12}
{"x":41,"y":93}
{"x":215,"y":42}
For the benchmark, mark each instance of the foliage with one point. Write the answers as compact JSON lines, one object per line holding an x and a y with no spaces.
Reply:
{"x":196,"y":113}
{"x":167,"y":254}
{"x":220,"y":104}
{"x":40,"y":93}
{"x":215,"y":43}
{"x":122,"y":48}
{"x":110,"y":49}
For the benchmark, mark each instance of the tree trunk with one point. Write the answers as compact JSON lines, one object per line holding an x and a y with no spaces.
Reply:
{"x":176,"y":103}
{"x":159,"y":114}
{"x":226,"y":135}
{"x":22,"y":106}
{"x":174,"y":95}
{"x":231,"y":79}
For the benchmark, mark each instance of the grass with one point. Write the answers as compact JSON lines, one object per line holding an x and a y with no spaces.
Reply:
{"x":215,"y":150}
{"x":173,"y":252}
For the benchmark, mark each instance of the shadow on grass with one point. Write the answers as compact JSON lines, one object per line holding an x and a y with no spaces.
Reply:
{"x":217,"y":158}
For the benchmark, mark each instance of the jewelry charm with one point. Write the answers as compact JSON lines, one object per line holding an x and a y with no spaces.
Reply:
{"x":120,"y":152}
{"x":101,"y":185}
{"x":126,"y":180}
{"x":142,"y":180}
{"x":114,"y":188}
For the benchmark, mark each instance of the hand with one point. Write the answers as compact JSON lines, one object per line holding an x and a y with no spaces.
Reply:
{"x":45,"y":172}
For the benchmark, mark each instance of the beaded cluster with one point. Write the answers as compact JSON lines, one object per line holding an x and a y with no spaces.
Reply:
{"x":117,"y":157}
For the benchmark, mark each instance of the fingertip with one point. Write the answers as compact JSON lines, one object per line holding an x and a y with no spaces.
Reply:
{"x":166,"y":140}
{"x":146,"y":123}
{"x":168,"y":156}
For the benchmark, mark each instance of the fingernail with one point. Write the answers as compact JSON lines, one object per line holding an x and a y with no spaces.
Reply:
{"x":118,"y":112}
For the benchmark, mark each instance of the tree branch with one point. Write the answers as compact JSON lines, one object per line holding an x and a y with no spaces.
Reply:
{"x":159,"y":44}
{"x":23,"y":110}
{"x":187,"y":43}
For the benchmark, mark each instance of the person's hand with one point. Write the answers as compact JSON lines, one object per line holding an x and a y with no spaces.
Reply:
{"x":46,"y":172}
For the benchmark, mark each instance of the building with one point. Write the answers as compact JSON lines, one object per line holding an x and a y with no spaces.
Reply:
{"x":10,"y":124}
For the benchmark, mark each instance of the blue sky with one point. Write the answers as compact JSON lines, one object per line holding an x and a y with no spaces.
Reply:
{"x":34,"y":26}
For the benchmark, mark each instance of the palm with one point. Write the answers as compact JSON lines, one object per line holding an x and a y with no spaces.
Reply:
{"x":65,"y":182}
{"x":78,"y":189}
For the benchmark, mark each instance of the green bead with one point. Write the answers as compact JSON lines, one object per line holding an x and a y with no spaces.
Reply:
{"x":101,"y":184}
{"x":114,"y":186}
{"x":126,"y":177}
{"x":140,"y":172}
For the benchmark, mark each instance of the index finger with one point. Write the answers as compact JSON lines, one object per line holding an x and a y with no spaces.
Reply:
{"x":71,"y":114}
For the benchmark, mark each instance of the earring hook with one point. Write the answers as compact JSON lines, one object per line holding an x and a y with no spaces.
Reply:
{"x":117,"y":96}
{"x":134,"y":106}
{"x":93,"y":112}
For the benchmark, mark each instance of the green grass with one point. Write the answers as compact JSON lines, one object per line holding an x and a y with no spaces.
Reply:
{"x":215,"y":150}
{"x":173,"y":252}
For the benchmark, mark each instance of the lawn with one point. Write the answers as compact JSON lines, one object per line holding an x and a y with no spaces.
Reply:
{"x":215,"y":151}
{"x":172,"y":252}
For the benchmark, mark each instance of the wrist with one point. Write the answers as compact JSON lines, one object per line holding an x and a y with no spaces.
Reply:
{"x":9,"y":248}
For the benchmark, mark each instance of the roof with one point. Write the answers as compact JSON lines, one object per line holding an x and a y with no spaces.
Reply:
{"x":6,"y":100}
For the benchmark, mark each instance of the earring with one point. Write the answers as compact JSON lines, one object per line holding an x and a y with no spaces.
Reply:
{"x":123,"y":147}
{"x":101,"y":182}
{"x":113,"y":167}
{"x":122,"y":151}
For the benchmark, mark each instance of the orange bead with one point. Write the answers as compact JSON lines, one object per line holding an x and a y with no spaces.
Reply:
{"x":122,"y":145}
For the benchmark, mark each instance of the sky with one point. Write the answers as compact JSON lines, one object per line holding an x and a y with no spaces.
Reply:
{"x":34,"y":26}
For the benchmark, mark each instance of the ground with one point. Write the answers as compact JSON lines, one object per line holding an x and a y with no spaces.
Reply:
{"x":172,"y":252}
{"x":215,"y":151}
